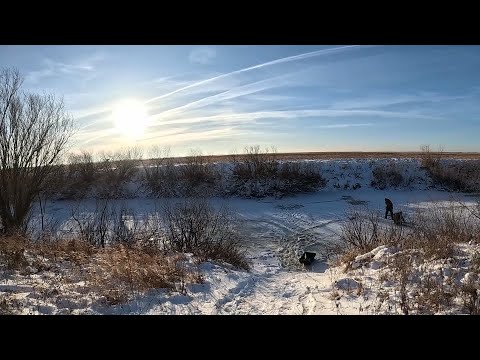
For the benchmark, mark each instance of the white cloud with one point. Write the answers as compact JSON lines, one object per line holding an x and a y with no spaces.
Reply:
{"x":226,"y":117}
{"x":202,"y":55}
{"x":388,"y":100}
{"x":85,"y":67}
{"x":260,"y":66}
{"x":341,"y":126}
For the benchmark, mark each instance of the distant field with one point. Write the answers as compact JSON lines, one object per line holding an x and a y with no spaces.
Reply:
{"x":345,"y":155}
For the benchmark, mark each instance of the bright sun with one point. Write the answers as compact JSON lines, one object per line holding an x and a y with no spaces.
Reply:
{"x":130,"y":118}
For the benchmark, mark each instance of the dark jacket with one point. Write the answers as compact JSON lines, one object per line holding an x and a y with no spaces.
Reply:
{"x":388,"y":203}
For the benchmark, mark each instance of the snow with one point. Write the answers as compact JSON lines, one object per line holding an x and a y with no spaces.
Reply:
{"x":276,"y":232}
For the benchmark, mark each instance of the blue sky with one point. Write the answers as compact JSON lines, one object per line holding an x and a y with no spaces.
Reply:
{"x":298,"y":98}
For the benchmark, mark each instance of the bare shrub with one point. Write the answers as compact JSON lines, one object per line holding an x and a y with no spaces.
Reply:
{"x":429,"y":159}
{"x":433,"y":236}
{"x":469,"y":289}
{"x":93,"y":227}
{"x":295,"y":177}
{"x":258,"y":173}
{"x":75,"y":179}
{"x":57,"y":184}
{"x":255,"y":164}
{"x":361,"y":231}
{"x":108,"y":224}
{"x":470,"y":298}
{"x":34,"y":130}
{"x":160,"y":174}
{"x":475,"y":262}
{"x":194,"y":226}
{"x":402,"y":267}
{"x":388,"y":176}
{"x":126,"y":227}
{"x":394,"y":235}
{"x":82,"y":167}
{"x":194,"y":176}
{"x":432,"y":295}
{"x":197,"y":174}
{"x":117,"y":169}
{"x":457,"y":176}
{"x":5,"y":307}
{"x":152,"y":232}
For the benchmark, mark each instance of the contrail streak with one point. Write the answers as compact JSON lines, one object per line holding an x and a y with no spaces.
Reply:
{"x":259,"y":66}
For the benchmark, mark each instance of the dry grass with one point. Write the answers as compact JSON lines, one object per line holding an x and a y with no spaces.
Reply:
{"x":425,"y":248}
{"x":433,"y":296}
{"x":433,"y":231}
{"x":20,"y":253}
{"x":469,"y":290}
{"x":12,"y":252}
{"x":437,"y":230}
{"x":119,"y":273}
{"x":347,"y":256}
{"x":335,"y":155}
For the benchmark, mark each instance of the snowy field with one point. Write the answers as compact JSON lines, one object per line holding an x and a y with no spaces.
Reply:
{"x":276,"y":232}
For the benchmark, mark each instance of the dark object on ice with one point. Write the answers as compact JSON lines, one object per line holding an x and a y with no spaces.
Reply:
{"x":307,"y":258}
{"x":388,"y":207}
{"x":398,"y":218}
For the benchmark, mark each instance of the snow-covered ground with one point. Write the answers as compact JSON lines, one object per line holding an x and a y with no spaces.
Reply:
{"x":276,"y":232}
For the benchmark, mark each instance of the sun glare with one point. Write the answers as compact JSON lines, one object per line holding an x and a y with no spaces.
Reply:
{"x":130,"y":118}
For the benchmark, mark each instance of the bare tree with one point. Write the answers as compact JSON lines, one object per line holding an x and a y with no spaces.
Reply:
{"x":34,"y":130}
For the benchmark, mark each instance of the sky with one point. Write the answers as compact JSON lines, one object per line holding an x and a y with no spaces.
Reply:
{"x":217,"y":99}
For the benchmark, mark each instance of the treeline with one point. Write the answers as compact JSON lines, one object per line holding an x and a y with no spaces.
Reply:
{"x":123,"y":174}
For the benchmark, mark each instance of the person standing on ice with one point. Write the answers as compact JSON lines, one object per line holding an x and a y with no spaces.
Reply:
{"x":388,"y":208}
